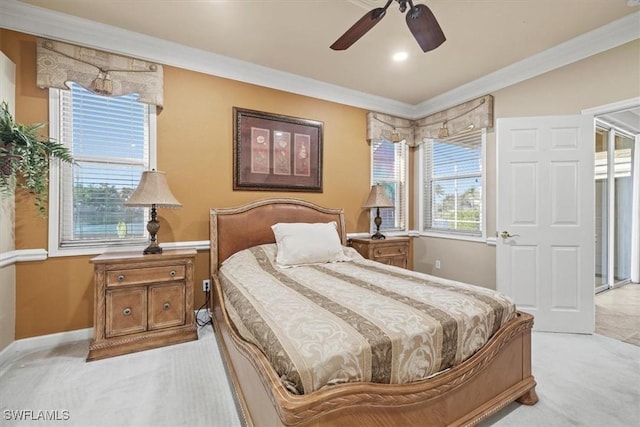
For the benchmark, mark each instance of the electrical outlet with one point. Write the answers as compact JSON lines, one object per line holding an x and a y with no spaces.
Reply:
{"x":438,"y":264}
{"x":206,"y":285}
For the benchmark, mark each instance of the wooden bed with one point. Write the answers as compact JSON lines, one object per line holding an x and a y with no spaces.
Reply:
{"x":498,"y":374}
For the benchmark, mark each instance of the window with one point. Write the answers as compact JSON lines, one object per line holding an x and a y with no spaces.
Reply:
{"x":111,"y":140}
{"x":389,"y":168}
{"x":453,"y":184}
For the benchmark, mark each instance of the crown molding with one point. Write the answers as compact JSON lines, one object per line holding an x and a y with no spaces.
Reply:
{"x":30,"y":19}
{"x":610,"y":108}
{"x":43,"y":22}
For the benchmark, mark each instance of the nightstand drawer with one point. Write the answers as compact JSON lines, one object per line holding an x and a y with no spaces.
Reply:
{"x":145,"y":275}
{"x":389,"y":250}
{"x":126,"y":311}
{"x":398,"y":261}
{"x":166,"y":306}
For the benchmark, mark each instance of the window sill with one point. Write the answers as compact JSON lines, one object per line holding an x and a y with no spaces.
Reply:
{"x":476,"y":239}
{"x":203,"y":245}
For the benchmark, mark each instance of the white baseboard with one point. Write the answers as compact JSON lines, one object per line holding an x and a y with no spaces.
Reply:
{"x":52,"y":340}
{"x":13,"y":350}
{"x":7,"y":354}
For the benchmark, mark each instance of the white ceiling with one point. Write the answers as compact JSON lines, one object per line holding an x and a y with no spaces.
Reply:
{"x":627,"y":119}
{"x":293,"y":36}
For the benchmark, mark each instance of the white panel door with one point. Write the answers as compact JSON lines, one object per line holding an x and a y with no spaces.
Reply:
{"x":545,"y":219}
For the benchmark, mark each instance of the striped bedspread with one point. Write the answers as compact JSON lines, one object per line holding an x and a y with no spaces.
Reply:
{"x":356,"y":321}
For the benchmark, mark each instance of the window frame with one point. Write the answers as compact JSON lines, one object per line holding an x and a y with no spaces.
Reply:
{"x":404,"y":194}
{"x":422,"y":170}
{"x":54,"y":248}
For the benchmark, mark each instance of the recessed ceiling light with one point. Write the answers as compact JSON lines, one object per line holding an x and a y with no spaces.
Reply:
{"x":400,"y":56}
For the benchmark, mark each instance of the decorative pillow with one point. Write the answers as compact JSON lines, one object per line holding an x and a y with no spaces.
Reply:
{"x":307,"y":243}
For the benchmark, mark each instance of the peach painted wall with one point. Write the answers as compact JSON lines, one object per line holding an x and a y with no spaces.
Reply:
{"x":195,"y":150}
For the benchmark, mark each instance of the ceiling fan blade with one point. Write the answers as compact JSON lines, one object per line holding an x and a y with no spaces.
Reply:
{"x":425,"y":27}
{"x":359,"y":29}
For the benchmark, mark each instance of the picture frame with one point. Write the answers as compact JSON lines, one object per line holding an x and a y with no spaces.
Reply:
{"x":274,"y":152}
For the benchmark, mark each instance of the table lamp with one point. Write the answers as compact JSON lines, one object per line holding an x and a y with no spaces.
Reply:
{"x":378,"y":199}
{"x":154,"y":191}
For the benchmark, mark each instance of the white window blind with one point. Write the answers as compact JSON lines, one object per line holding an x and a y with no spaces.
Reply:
{"x":109,"y":140}
{"x":453,"y":184}
{"x":389,"y":166}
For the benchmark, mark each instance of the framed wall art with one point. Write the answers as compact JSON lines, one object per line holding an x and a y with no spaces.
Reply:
{"x":272,"y":152}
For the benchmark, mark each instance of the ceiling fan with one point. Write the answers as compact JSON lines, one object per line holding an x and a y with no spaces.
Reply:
{"x":420,"y":20}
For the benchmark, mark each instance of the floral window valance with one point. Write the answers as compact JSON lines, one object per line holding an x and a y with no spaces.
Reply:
{"x":394,"y":129}
{"x":101,"y":72}
{"x":472,"y":115}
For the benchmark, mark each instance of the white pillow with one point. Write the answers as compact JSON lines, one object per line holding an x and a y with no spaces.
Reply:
{"x":307,"y":243}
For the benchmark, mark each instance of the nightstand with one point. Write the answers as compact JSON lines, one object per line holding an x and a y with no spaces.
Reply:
{"x":392,"y":250}
{"x":142,"y":302}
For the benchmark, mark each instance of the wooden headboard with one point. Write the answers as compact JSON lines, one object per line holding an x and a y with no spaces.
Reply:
{"x":234,"y":229}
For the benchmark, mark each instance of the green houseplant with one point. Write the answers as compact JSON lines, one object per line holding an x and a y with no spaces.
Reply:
{"x":24,"y":157}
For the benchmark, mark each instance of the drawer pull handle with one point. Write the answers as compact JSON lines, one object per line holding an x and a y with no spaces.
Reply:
{"x":378,"y":252}
{"x":126,"y":311}
{"x":173,"y":273}
{"x":121,"y":278}
{"x":166,"y":306}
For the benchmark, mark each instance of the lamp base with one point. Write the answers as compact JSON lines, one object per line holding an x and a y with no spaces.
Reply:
{"x":378,"y":222}
{"x":152,"y":227}
{"x":152,"y":249}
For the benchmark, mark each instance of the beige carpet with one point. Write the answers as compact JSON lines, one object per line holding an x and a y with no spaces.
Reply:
{"x":583,"y":380}
{"x":179,"y":385}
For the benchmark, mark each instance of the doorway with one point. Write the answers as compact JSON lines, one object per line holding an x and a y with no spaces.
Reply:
{"x":615,"y":232}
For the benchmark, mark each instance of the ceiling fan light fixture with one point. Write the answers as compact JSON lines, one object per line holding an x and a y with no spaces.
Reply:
{"x":400,"y":56}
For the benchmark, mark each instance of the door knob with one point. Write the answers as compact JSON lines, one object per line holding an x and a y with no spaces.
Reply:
{"x":506,"y":235}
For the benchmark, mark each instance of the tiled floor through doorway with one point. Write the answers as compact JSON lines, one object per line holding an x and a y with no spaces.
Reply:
{"x":618,"y":313}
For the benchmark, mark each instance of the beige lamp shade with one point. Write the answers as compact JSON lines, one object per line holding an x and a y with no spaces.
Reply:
{"x":153,"y":190}
{"x":378,"y":198}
